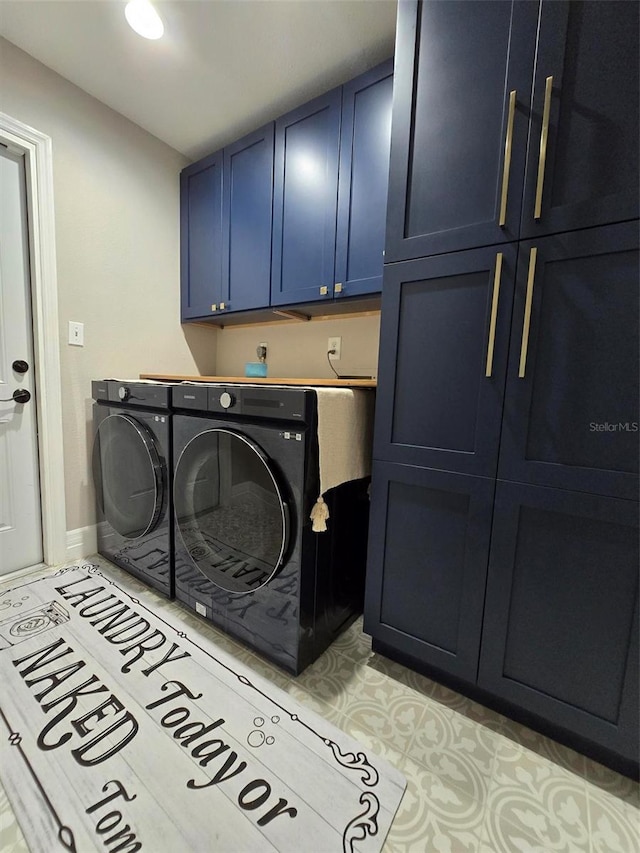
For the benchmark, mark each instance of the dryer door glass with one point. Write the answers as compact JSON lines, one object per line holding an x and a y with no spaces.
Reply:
{"x":128,"y":476}
{"x":230,"y":511}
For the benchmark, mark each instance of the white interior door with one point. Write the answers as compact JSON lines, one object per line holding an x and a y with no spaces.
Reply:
{"x":20,"y":518}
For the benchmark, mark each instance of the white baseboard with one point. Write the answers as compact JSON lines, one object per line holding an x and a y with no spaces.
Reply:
{"x":81,"y":542}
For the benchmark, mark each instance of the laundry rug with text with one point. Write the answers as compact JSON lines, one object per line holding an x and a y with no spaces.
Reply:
{"x":123,"y":730}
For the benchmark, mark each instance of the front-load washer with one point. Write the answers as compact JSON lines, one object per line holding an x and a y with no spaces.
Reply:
{"x":131,"y":466}
{"x":246,"y":558}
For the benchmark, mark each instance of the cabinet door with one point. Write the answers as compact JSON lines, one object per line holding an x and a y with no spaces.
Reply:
{"x":247,"y":216}
{"x":586,"y":173}
{"x":454,"y":117}
{"x":444,"y":327}
{"x":560,"y":636}
{"x":201,"y":238}
{"x":305,"y":201}
{"x":363,"y":182}
{"x":428,"y":550}
{"x":571,"y":406}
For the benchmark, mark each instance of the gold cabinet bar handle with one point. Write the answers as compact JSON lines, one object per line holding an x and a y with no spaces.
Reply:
{"x":494,"y":314}
{"x":527,"y":312}
{"x":544,"y":135}
{"x":507,"y":158}
{"x":214,"y":307}
{"x":337,"y":288}
{"x":222,"y":306}
{"x":324,"y":290}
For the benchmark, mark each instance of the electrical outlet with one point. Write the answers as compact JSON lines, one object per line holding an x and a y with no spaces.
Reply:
{"x":262,"y":346}
{"x":334,"y":344}
{"x":76,"y":334}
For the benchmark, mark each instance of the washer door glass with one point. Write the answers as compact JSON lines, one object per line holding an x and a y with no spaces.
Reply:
{"x":128,"y":476}
{"x":229,"y":510}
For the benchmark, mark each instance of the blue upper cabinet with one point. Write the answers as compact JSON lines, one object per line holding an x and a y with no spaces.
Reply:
{"x":247,"y":217}
{"x":462,"y":92}
{"x":305,"y":201}
{"x":201,"y":237}
{"x":363,"y":182}
{"x":226,"y":214}
{"x":292,"y":213}
{"x":583,"y":159}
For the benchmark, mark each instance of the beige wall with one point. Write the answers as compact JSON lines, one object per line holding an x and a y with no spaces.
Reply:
{"x":116,"y":195}
{"x":300,"y":348}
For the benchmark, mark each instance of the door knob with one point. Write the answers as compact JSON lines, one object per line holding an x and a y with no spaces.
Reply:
{"x":20,"y":395}
{"x":20,"y":366}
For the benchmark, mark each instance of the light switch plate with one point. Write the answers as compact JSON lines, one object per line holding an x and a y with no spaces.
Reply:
{"x":76,"y":334}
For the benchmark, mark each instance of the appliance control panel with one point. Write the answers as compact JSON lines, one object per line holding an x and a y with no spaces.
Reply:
{"x":99,"y":390}
{"x":191,"y":397}
{"x":263,"y":402}
{"x":271,"y":402}
{"x":149,"y":395}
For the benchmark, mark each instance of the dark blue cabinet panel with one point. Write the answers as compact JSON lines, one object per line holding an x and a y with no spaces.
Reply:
{"x":587,"y":73}
{"x":444,"y":327}
{"x":247,"y":216}
{"x":428,"y":548}
{"x":557,"y":420}
{"x":571,"y":411}
{"x":305,"y":201}
{"x":560,"y":635}
{"x":454,"y":117}
{"x":470,"y":118}
{"x":200,"y":237}
{"x":363,"y":181}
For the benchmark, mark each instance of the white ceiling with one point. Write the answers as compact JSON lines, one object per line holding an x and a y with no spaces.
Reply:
{"x":223,"y":68}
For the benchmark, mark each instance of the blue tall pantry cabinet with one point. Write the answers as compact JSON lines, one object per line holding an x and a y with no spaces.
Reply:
{"x":504,"y":535}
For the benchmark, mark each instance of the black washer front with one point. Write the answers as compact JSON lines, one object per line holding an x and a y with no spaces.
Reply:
{"x":128,"y":476}
{"x":246,"y":477}
{"x":132,"y":478}
{"x":230,"y":511}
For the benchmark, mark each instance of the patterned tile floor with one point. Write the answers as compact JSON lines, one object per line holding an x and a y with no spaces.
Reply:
{"x":477,"y":781}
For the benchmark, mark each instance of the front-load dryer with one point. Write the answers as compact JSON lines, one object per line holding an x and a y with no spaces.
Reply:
{"x":131,"y":466}
{"x":245,"y":481}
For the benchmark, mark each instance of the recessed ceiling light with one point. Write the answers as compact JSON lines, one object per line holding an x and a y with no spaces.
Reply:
{"x":143,"y":18}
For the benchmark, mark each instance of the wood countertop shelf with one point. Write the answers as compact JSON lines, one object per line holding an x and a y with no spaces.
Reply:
{"x":252,"y":380}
